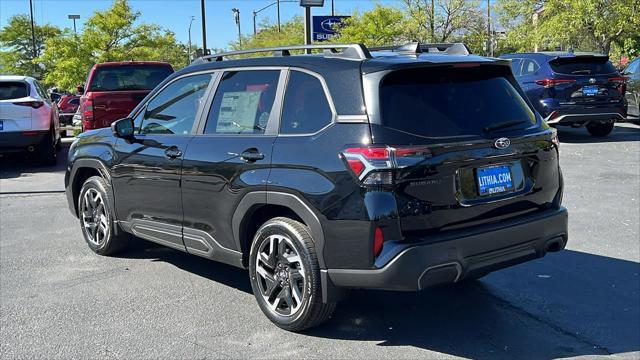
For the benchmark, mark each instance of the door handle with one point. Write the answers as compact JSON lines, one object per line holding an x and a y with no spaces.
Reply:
{"x":172,"y":152}
{"x":251,"y":155}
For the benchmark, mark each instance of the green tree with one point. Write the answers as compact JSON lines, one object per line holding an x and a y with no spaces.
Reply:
{"x":587,"y":25}
{"x":17,"y":55}
{"x":291,"y":33}
{"x":452,"y":20}
{"x":381,"y":26}
{"x":110,"y":35}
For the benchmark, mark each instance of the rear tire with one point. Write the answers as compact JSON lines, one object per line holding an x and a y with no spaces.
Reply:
{"x":47,"y":153}
{"x":96,"y":219}
{"x":285,"y":275}
{"x":599,"y":129}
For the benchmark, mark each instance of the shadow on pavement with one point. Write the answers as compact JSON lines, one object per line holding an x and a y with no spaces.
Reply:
{"x":15,"y":165}
{"x":621,"y":133}
{"x":580,"y":303}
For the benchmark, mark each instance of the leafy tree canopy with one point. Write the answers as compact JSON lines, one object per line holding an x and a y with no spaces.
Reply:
{"x":16,"y":55}
{"x":110,"y":35}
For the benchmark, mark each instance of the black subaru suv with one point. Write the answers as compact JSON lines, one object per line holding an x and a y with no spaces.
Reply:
{"x":398,"y":169}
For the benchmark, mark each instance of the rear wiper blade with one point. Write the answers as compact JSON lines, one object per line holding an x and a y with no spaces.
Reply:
{"x":503,"y":125}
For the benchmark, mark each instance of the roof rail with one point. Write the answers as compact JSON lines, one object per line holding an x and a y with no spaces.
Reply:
{"x":349,"y":51}
{"x":418,"y":48}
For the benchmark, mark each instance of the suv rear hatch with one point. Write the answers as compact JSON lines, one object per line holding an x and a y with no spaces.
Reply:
{"x":584,"y":80}
{"x":16,"y":106}
{"x":114,"y":90}
{"x":467,"y":148}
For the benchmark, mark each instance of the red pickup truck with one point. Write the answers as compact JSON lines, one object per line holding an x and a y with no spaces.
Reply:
{"x":113,"y":89}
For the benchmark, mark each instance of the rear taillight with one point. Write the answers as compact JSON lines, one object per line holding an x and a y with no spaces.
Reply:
{"x":620,"y":83}
{"x":554,"y":82}
{"x":378,"y":241}
{"x":86,"y":106}
{"x":374,"y":165}
{"x":33,"y":104}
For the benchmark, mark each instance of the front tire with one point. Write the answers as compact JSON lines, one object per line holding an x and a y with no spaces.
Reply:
{"x":599,"y":129}
{"x":285,"y":275}
{"x":96,"y":220}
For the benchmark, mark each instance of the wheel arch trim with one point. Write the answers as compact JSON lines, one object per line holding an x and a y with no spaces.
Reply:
{"x":95,"y":164}
{"x":291,"y":201}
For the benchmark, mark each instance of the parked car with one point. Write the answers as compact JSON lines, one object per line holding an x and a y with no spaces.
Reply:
{"x":348,"y":169}
{"x":632,"y":73}
{"x":576,"y":89}
{"x":28,"y":119}
{"x":67,"y":106}
{"x":115,"y":88}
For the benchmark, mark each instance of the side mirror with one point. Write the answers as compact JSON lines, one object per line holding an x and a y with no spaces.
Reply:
{"x":80,"y":89}
{"x":123,"y":128}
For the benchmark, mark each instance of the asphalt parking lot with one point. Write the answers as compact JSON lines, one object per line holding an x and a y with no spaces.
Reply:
{"x":60,"y":300}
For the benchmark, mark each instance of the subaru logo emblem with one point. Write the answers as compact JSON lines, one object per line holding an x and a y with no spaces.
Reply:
{"x":592,"y":81}
{"x":502,"y":143}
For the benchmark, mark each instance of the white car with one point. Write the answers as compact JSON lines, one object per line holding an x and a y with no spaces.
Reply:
{"x":28,"y":119}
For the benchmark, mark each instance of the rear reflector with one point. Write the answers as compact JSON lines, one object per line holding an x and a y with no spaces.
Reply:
{"x":356,"y":165}
{"x":378,"y":240}
{"x":29,"y":133}
{"x":33,"y":104}
{"x":553,"y":82}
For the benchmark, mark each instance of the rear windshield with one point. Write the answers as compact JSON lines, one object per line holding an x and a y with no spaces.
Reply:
{"x":454,"y":102}
{"x":128,"y":77}
{"x":13,"y":90}
{"x":582,"y":66}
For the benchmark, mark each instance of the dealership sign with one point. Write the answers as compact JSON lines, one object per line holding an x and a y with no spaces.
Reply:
{"x":324,"y":27}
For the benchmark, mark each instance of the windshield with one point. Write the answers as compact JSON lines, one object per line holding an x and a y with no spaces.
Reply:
{"x":452,"y":102}
{"x":582,"y":66}
{"x":13,"y":90}
{"x":128,"y":77}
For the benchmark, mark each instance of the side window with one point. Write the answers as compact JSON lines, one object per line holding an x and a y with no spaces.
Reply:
{"x":40,"y":90}
{"x":74,"y":101}
{"x":174,"y":109}
{"x":515,"y":66}
{"x":305,"y":109}
{"x":529,"y":67}
{"x":243,"y":102}
{"x":633,"y":68}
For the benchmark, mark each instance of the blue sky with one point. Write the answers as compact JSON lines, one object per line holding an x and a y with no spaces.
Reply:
{"x":175,"y":14}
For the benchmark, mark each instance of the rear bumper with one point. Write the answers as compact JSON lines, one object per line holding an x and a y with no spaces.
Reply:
{"x":453,"y":257}
{"x":15,"y":141}
{"x":575,"y":114}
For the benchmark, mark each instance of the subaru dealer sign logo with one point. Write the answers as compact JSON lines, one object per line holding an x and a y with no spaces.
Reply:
{"x":324,"y":27}
{"x":502,"y":143}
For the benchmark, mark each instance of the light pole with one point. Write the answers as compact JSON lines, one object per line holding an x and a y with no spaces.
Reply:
{"x":189,"y":43}
{"x":204,"y":29}
{"x":256,"y":12}
{"x":489,"y":42}
{"x":74,"y":18}
{"x":236,"y":15}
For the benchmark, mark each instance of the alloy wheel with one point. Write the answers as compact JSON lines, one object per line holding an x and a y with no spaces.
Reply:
{"x":94,"y":217}
{"x":280,"y":275}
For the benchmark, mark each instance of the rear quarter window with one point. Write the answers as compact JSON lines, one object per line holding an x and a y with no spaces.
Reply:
{"x":451,"y":102}
{"x":13,"y":90}
{"x":582,"y":66}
